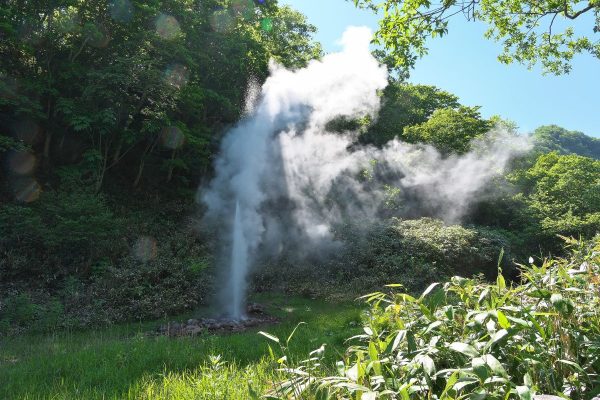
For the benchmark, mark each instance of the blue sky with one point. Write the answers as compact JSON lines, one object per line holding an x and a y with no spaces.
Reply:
{"x":464,"y":63}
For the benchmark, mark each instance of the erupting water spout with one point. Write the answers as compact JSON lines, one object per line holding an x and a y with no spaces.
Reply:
{"x":239,"y":267}
{"x":291,"y":180}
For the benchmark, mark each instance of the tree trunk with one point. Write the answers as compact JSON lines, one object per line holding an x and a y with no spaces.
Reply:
{"x":170,"y":172}
{"x":139,"y":174}
{"x":47,"y":142}
{"x":117,"y":153}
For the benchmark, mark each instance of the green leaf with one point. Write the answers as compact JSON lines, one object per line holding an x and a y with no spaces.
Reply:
{"x":269,"y":336}
{"x":498,"y":336}
{"x":502,"y":320}
{"x":524,"y":393}
{"x":572,"y":364}
{"x":479,"y":368}
{"x":429,"y":289}
{"x":287,"y":342}
{"x":495,"y":365}
{"x":428,"y":364}
{"x":564,"y":306}
{"x":464,"y":348}
{"x":500,"y":282}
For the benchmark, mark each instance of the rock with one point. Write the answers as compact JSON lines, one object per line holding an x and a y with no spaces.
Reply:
{"x":193,"y":330}
{"x":192,"y":322}
{"x":255,"y":308}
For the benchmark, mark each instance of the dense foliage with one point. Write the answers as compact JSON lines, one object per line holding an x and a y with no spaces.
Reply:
{"x":554,"y":138}
{"x":470,"y":339}
{"x":412,"y":252}
{"x":111,"y":113}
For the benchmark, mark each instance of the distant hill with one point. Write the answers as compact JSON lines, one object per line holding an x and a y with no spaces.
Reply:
{"x":554,"y":138}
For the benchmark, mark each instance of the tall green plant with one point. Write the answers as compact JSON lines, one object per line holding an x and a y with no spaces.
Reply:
{"x":470,"y":339}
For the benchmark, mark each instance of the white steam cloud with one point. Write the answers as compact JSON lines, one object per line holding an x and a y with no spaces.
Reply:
{"x":291,"y":181}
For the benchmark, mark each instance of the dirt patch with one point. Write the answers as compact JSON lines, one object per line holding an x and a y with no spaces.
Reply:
{"x":255,"y":316}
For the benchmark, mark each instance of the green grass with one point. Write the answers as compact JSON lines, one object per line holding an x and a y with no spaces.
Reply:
{"x":121,"y":362}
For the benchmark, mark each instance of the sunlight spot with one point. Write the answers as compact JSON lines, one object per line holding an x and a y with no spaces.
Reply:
{"x":27,"y":190}
{"x":167,"y":27}
{"x":222,"y":21}
{"x":121,"y":10}
{"x":67,"y":22}
{"x":21,"y":163}
{"x":177,"y":75}
{"x":266,"y":24}
{"x":144,"y":249}
{"x":289,"y":309}
{"x":172,"y":137}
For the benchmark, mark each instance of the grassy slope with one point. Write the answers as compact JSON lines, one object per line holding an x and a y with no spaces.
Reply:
{"x":120,"y":362}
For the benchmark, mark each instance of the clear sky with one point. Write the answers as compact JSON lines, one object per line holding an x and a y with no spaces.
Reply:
{"x":464,"y":63}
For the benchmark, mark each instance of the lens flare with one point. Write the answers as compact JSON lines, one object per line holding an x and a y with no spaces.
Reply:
{"x":27,"y":190}
{"x":9,"y":87}
{"x":266,"y":24}
{"x":222,"y":21}
{"x":21,"y":163}
{"x":167,"y":27}
{"x":97,"y":36}
{"x":144,"y":249}
{"x":177,"y":75}
{"x":67,"y":22}
{"x":29,"y":33}
{"x":243,"y":8}
{"x":121,"y":10}
{"x":172,"y":137}
{"x":27,"y":131}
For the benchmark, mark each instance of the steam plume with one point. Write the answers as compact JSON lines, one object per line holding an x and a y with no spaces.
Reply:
{"x":283,"y":181}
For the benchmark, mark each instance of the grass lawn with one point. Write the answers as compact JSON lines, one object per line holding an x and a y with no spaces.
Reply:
{"x":120,"y":362}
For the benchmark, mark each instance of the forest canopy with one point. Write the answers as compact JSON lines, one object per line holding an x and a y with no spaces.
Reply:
{"x":531,"y":32}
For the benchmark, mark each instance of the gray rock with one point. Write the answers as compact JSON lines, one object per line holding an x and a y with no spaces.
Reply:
{"x":193,"y":330}
{"x":255,"y":308}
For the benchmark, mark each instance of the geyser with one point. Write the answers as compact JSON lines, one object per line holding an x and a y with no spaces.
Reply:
{"x":239,"y":267}
{"x":282,"y":180}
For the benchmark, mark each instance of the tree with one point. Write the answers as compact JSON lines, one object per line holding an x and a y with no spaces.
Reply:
{"x":531,"y":31}
{"x":450,"y":130}
{"x":288,"y":38}
{"x":403,"y":105}
{"x":554,"y":138}
{"x":561,"y":195}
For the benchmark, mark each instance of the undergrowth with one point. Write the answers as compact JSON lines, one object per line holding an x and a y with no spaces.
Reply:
{"x":468,"y":339}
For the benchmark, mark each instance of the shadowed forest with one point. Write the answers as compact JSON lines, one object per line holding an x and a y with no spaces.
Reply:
{"x":113,"y":116}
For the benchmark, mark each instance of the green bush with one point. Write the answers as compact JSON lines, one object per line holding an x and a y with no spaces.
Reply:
{"x":470,"y":339}
{"x":136,"y":290}
{"x":411,"y":252}
{"x":559,"y":195}
{"x":20,"y":311}
{"x":61,"y":234}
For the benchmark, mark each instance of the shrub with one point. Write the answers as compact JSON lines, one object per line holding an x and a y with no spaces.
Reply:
{"x":469,"y":339}
{"x":61,"y":234}
{"x":153,"y":289}
{"x":19,"y":311}
{"x":411,"y":252}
